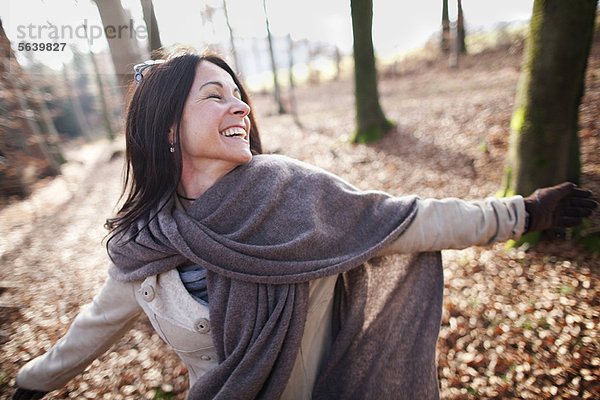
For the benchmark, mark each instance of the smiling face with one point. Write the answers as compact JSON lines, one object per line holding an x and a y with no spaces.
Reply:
{"x":214,"y":128}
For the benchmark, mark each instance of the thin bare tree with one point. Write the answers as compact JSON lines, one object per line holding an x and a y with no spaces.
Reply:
{"x":108,"y":125}
{"x":74,"y":102}
{"x":236,"y":60}
{"x":276,"y":89}
{"x":292,"y":90}
{"x":460,"y":29}
{"x":445,"y":38}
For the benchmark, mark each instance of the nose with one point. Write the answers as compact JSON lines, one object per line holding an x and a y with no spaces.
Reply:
{"x":240,"y":108}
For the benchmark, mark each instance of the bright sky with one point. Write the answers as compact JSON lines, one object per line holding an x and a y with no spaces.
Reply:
{"x":398,"y":25}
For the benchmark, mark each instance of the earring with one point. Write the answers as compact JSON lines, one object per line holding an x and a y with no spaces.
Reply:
{"x":172,"y":145}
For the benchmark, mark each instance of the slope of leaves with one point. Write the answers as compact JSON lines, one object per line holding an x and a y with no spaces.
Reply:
{"x":521,"y":323}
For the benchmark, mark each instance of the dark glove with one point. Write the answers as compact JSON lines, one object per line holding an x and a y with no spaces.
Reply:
{"x":558,"y":206}
{"x":26,"y":394}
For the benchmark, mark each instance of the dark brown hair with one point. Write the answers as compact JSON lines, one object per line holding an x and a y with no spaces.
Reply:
{"x":152,"y":172}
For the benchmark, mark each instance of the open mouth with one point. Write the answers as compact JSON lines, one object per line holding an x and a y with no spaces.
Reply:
{"x":234,"y":132}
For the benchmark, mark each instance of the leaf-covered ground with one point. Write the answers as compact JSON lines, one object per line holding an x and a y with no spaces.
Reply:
{"x":521,"y":323}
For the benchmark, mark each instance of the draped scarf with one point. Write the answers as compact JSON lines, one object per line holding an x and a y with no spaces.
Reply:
{"x":263,"y":232}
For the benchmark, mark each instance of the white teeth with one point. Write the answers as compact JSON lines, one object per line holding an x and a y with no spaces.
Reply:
{"x":236,"y":131}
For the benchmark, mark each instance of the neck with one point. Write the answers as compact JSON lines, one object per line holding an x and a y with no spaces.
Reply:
{"x":194,"y":182}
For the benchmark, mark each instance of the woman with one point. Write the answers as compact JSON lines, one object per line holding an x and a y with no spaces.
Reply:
{"x":261,"y":272}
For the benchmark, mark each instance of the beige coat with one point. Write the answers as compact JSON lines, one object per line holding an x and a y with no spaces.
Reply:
{"x":184,"y":324}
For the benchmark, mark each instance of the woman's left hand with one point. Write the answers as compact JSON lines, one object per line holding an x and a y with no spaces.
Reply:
{"x":558,"y":206}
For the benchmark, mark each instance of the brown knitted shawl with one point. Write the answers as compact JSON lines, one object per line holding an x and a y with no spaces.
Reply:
{"x":263,"y":232}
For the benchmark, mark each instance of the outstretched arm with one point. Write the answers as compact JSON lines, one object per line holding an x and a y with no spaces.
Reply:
{"x":456,"y":224}
{"x":99,"y":324}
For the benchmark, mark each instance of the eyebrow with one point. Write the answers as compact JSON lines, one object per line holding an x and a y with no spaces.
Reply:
{"x":219,"y":84}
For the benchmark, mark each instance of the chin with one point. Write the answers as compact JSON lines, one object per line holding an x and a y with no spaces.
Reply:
{"x":243,"y":158}
{"x":248,"y":158}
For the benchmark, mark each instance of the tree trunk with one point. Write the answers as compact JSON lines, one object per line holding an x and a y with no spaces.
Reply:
{"x":80,"y":121}
{"x":276,"y":89}
{"x":292,"y":91}
{"x":370,"y":120}
{"x":154,"y":43}
{"x":445,"y":39}
{"x":544,"y":142}
{"x":337,"y":58}
{"x":108,"y":126}
{"x":461,"y":48}
{"x":236,"y":61}
{"x":122,"y":42}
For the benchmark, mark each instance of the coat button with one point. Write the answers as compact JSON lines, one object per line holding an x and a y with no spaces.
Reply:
{"x":147,"y":292}
{"x":204,"y":357}
{"x":202,"y":325}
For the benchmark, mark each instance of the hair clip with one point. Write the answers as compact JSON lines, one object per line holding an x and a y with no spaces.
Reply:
{"x":139,"y":68}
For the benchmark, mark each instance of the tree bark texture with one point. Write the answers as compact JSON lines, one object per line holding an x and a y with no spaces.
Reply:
{"x":544,"y":142}
{"x":370,"y":120}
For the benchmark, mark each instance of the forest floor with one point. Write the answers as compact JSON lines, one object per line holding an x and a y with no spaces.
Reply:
{"x":519,"y":323}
